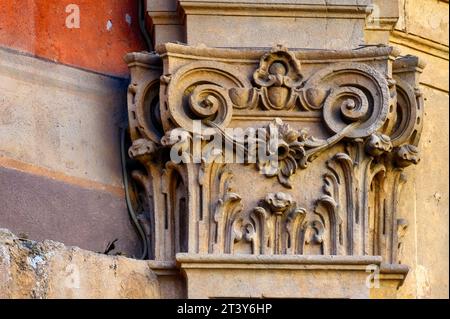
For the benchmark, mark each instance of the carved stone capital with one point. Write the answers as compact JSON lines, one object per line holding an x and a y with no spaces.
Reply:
{"x":275,"y":152}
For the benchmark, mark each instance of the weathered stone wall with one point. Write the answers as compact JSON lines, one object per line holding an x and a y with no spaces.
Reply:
{"x":62,"y":98}
{"x":49,"y":269}
{"x":60,"y":172}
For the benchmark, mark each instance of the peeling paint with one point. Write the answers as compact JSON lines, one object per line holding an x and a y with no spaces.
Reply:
{"x":109,"y":25}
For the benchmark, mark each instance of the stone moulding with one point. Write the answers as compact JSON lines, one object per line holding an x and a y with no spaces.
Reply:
{"x":253,"y":56}
{"x":280,"y":276}
{"x":347,"y":124}
{"x":186,"y":20}
{"x":267,"y":8}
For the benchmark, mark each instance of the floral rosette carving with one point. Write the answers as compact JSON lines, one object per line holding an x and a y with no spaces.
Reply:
{"x":286,"y":147}
{"x":289,"y":149}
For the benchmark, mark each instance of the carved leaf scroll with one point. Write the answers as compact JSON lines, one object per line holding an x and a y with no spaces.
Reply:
{"x":273,"y":227}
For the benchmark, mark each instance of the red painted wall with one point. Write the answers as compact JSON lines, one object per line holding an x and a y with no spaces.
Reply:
{"x":39,"y":27}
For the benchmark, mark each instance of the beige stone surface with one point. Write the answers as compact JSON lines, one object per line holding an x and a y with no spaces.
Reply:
{"x":168,"y":33}
{"x":435,"y":74}
{"x":166,"y":23}
{"x":278,"y":276}
{"x":317,"y":33}
{"x":50,"y":270}
{"x":427,"y":246}
{"x":422,"y":30}
{"x":161,"y":5}
{"x":425,"y":18}
{"x":60,"y":118}
{"x":324,"y":25}
{"x":418,"y":25}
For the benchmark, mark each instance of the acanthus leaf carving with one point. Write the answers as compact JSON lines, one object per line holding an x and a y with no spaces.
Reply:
{"x":273,"y":227}
{"x":226,"y":209}
{"x":327,"y":209}
{"x":402,"y":228}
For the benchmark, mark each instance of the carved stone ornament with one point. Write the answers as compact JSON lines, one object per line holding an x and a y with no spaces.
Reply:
{"x":280,"y":152}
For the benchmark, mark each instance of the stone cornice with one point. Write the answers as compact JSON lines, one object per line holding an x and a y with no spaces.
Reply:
{"x":252,"y":55}
{"x":164,"y":18}
{"x":420,"y":44}
{"x":144,"y":59}
{"x":382,"y":24}
{"x":292,"y":261}
{"x":38,"y":70}
{"x":409,"y":63}
{"x":267,"y":8}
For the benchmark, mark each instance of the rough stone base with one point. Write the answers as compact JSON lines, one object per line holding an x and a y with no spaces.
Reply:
{"x":49,"y":269}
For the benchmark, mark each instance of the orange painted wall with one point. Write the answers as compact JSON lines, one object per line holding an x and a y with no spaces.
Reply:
{"x":39,"y":27}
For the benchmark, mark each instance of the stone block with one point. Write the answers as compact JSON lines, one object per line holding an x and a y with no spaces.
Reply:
{"x":47,"y":270}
